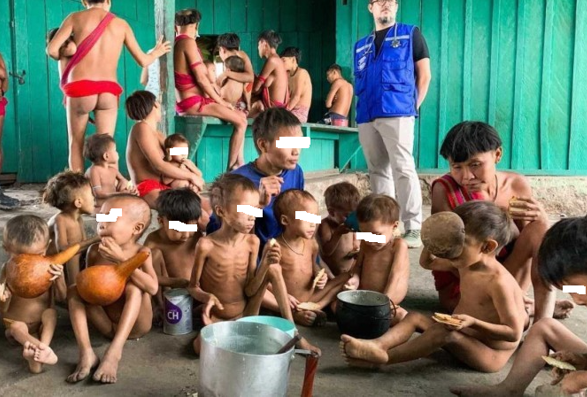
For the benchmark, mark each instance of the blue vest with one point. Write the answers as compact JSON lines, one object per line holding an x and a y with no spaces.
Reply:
{"x":385,"y":83}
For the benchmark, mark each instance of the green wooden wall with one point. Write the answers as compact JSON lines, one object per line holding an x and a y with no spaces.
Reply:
{"x":35,"y":127}
{"x":520,"y":65}
{"x":307,"y":24}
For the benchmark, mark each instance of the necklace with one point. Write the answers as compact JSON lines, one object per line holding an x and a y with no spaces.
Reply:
{"x":292,"y":250}
{"x":496,"y":189}
{"x":294,"y":73}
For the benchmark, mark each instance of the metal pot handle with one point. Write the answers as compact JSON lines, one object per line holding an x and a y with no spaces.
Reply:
{"x":393,"y":308}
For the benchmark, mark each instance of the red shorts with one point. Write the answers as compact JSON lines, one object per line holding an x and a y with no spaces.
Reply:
{"x":3,"y":103}
{"x":81,"y":88}
{"x":186,"y":104}
{"x":147,"y":186}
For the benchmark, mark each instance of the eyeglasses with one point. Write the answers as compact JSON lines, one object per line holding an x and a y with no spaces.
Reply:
{"x":382,"y":2}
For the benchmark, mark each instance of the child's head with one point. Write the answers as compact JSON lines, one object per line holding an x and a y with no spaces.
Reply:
{"x":333,"y":72}
{"x":176,"y":141}
{"x":69,"y":191}
{"x":142,"y":104}
{"x":268,"y":40}
{"x":487,"y":229}
{"x":180,"y":205}
{"x":291,"y":57}
{"x":130,"y":226}
{"x":101,"y":149}
{"x":68,"y":48}
{"x":26,"y":234}
{"x":235,"y":64}
{"x":285,"y":207}
{"x":89,"y":3}
{"x":341,"y":199}
{"x":227,"y":192}
{"x":562,"y":258}
{"x":473,"y":149}
{"x":227,"y":42}
{"x":268,"y":127}
{"x":187,"y":19}
{"x":378,"y":214}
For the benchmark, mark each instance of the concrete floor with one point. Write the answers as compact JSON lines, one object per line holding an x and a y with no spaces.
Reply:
{"x":162,"y":365}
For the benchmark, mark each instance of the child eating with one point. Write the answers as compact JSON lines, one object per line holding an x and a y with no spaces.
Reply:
{"x":31,"y":322}
{"x":103,"y":174}
{"x":382,"y":266}
{"x":129,"y":317}
{"x":487,"y":324}
{"x":71,"y":193}
{"x":226,"y":278}
{"x":303,"y":278}
{"x":338,"y":245}
{"x":561,"y":261}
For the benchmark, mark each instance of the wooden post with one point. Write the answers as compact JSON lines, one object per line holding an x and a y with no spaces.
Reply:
{"x":165,"y":26}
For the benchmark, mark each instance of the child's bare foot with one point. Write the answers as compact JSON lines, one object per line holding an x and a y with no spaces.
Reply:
{"x":87,"y":362}
{"x":45,"y":355}
{"x":28,"y":352}
{"x":305,"y":345}
{"x":106,"y":372}
{"x":362,"y":353}
{"x":309,"y":318}
{"x":481,"y":391}
{"x":563,"y":309}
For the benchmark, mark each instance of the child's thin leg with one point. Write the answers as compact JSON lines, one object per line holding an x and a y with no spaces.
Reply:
{"x":325,"y":296}
{"x":43,"y":353}
{"x":545,"y":335}
{"x":275,"y":277}
{"x":79,"y":323}
{"x":20,"y":332}
{"x":106,"y":372}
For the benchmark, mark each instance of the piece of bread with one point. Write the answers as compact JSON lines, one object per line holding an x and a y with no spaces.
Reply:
{"x":446,"y":319}
{"x":309,"y":306}
{"x":558,"y":363}
{"x":318,"y":277}
{"x":272,"y":242}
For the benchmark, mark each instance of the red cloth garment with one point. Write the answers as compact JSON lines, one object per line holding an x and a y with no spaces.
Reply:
{"x":268,"y":103}
{"x":3,"y":103}
{"x":183,"y":106}
{"x":82,"y":88}
{"x":148,"y":185}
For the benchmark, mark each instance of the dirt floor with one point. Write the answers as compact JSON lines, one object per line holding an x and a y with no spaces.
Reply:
{"x":163,"y":365}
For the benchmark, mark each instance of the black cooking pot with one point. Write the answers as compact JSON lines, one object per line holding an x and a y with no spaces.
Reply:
{"x":363,"y":314}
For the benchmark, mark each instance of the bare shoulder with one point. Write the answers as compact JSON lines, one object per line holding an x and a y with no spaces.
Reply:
{"x":253,"y":240}
{"x":400,"y":246}
{"x":153,"y":240}
{"x":518,"y":183}
{"x":205,"y":244}
{"x":244,"y":55}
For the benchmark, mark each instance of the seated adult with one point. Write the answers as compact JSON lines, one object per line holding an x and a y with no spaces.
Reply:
{"x":300,"y":84}
{"x":473,"y":150}
{"x":193,"y":89}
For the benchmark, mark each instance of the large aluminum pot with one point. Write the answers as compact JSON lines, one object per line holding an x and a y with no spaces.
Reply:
{"x":238,"y":359}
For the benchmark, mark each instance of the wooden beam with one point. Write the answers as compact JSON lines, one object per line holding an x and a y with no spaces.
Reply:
{"x":165,"y":26}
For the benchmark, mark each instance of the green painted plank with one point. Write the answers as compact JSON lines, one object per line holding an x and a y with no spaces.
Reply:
{"x":468,"y":60}
{"x":271,"y":15}
{"x":289,"y":39}
{"x":304,"y":15}
{"x":287,"y":16}
{"x":254,"y":16}
{"x":480,"y":53}
{"x":578,"y":139}
{"x":183,"y":4}
{"x":444,"y":97}
{"x":222,"y":16}
{"x":206,"y":7}
{"x":238,"y":12}
{"x":494,"y":79}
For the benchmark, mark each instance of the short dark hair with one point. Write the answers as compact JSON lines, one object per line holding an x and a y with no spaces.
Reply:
{"x":342,"y":195}
{"x":24,"y":231}
{"x":271,"y":37}
{"x":334,"y":67}
{"x":96,"y":145}
{"x":188,"y":16}
{"x":469,"y":138}
{"x":235,"y":64}
{"x":95,"y":1}
{"x":563,"y":252}
{"x":182,"y":205}
{"x":292,"y":52}
{"x":484,"y":220}
{"x":51,"y":33}
{"x":285,"y":203}
{"x":60,"y":189}
{"x":223,"y":188}
{"x":230,"y":41}
{"x":174,"y":139}
{"x":140,"y":104}
{"x":268,"y":123}
{"x":378,"y":207}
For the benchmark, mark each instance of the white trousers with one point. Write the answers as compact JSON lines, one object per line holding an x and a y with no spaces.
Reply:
{"x":388,"y":144}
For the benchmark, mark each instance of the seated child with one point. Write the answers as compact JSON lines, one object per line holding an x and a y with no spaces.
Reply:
{"x":488,"y":322}
{"x":473,"y":150}
{"x":174,"y":251}
{"x":382,"y":267}
{"x":131,"y":316}
{"x":71,"y":193}
{"x":23,"y":318}
{"x":103,"y":174}
{"x":562,"y":261}
{"x":298,"y":260}
{"x":233,"y":91}
{"x":338,"y":245}
{"x":226,"y":278}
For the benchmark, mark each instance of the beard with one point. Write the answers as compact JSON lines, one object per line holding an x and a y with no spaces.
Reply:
{"x":385,"y":20}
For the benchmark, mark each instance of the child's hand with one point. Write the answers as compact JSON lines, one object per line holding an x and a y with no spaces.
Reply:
{"x":527,"y":209}
{"x":353,"y":283}
{"x":574,"y":382}
{"x":293,"y":302}
{"x":161,"y":48}
{"x":56,"y":271}
{"x":197,"y":181}
{"x":579,"y":361}
{"x":271,"y":253}
{"x":466,"y":322}
{"x":322,"y":281}
{"x":110,"y":250}
{"x":342,"y":229}
{"x":5,"y":293}
{"x":268,"y":187}
{"x":213,"y":301}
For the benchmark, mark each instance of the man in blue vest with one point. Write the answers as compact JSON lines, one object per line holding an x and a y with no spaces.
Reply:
{"x":392,"y":76}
